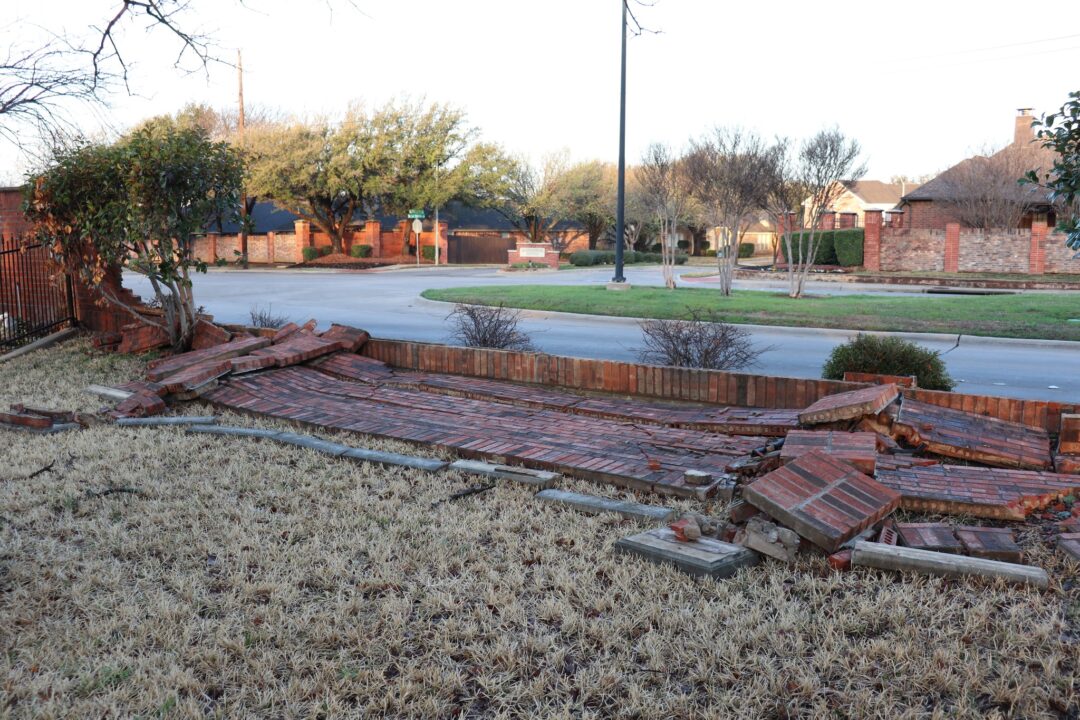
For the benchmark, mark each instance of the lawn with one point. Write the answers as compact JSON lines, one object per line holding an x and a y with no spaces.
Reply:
{"x":239,"y":578}
{"x":1031,"y":315}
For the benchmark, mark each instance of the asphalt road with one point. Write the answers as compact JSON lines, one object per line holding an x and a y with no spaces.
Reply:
{"x":388,"y":304}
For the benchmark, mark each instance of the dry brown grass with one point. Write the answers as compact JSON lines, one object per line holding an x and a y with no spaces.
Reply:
{"x":249,"y":579}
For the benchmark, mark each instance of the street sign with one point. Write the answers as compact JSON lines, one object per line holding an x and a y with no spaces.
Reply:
{"x":417,"y":226}
{"x":416,"y":214}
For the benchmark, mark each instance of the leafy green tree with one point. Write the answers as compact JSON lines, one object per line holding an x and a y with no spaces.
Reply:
{"x":139,"y":203}
{"x":536,"y":198}
{"x":590,"y":194}
{"x":1060,"y":133}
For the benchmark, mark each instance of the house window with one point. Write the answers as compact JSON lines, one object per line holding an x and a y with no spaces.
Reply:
{"x":504,"y":235}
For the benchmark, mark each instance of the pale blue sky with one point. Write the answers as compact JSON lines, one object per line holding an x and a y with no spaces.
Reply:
{"x":919,"y":84}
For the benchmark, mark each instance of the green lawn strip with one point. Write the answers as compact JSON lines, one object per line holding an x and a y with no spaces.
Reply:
{"x":1018,"y":277}
{"x":1041,"y":316}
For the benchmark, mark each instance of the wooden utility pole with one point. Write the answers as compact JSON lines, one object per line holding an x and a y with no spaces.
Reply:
{"x":240,"y":142}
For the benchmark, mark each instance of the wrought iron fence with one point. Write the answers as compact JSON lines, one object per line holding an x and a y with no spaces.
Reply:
{"x":33,"y":303}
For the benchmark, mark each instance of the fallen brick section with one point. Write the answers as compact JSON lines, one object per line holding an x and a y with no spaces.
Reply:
{"x":849,"y":405}
{"x":1004,"y":494}
{"x":140,"y":337}
{"x":144,"y":386}
{"x":990,"y":543}
{"x":1069,"y":464}
{"x":285,"y":332}
{"x":967,"y":436}
{"x":929,"y":536}
{"x":825,"y":500}
{"x":191,"y":378}
{"x":207,"y":335}
{"x":352,"y":339}
{"x":858,"y":448}
{"x":27,"y":420}
{"x":907,"y":381}
{"x":728,"y":420}
{"x":298,"y":348}
{"x":250,"y":363}
{"x":139,"y":405}
{"x":623,"y":453}
{"x":160,"y":369}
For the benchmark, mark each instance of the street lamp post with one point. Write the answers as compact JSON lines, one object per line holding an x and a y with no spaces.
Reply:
{"x":620,"y":201}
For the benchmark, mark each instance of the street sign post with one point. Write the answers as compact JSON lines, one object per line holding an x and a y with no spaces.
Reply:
{"x":417,"y":227}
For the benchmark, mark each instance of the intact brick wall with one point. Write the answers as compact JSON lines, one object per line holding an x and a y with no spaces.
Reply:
{"x":269,"y":248}
{"x":909,"y":249}
{"x":1057,"y":257}
{"x":13,"y":224}
{"x":994,"y":250}
{"x":711,"y":386}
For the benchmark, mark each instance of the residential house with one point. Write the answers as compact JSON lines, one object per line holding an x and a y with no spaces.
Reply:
{"x":984,"y":190}
{"x":855,"y":197}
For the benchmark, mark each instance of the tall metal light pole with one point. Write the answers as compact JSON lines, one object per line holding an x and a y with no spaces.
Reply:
{"x":620,"y":201}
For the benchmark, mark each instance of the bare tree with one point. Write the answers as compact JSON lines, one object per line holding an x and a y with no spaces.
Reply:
{"x":984,"y":191}
{"x":486,"y":326}
{"x":784,"y":192}
{"x":700,"y":341}
{"x":666,"y":188}
{"x":824,"y":160}
{"x":537,"y":199}
{"x":728,"y":172}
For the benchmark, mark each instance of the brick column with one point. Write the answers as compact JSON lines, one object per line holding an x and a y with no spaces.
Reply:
{"x":896,"y":219}
{"x":1037,"y":255}
{"x":213,"y":248}
{"x":302,"y":228}
{"x":872,"y":240}
{"x":271,"y":240}
{"x":827,"y":221}
{"x":952,"y":247}
{"x":848,"y":220}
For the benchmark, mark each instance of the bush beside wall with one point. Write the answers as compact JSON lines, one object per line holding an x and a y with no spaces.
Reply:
{"x":848,"y":245}
{"x":360,"y":251}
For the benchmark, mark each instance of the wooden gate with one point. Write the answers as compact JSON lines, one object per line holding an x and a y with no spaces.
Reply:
{"x":478,"y":249}
{"x":33,"y":303}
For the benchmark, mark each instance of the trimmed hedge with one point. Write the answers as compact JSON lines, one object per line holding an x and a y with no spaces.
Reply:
{"x":328,"y":250}
{"x":309,"y":253}
{"x":848,"y":245}
{"x":360,"y":251}
{"x":588,"y":258}
{"x":746,"y":250}
{"x":888,"y":355}
{"x":427,"y":252}
{"x":824,"y":239}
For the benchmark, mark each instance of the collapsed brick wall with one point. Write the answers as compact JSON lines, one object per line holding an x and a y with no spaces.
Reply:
{"x":711,"y":386}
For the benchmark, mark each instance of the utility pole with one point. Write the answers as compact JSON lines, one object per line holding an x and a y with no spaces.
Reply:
{"x":240,"y":141}
{"x":620,"y":202}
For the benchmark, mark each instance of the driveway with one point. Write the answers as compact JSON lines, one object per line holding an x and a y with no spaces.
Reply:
{"x":388,"y":304}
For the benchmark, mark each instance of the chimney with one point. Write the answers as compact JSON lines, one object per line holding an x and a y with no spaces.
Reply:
{"x":1023,"y":134}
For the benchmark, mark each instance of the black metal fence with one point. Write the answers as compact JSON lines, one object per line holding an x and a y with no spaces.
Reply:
{"x":33,"y":303}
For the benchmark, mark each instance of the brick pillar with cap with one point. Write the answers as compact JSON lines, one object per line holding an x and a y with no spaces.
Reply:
{"x":872,"y":240}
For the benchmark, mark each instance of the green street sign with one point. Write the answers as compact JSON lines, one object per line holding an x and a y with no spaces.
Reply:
{"x":416,"y":214}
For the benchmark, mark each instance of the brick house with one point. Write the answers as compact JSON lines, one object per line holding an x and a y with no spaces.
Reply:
{"x":988,"y":180}
{"x":855,"y":197}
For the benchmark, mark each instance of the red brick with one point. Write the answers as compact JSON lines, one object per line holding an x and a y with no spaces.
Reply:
{"x":990,"y":543}
{"x":937,"y":537}
{"x":840,"y":560}
{"x":207,"y":335}
{"x":137,"y":338}
{"x":849,"y":405}
{"x":825,"y":500}
{"x":28,"y":420}
{"x":859,"y":448}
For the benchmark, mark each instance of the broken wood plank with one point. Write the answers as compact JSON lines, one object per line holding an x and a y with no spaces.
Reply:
{"x":386,"y":458}
{"x":706,"y":557}
{"x":109,"y":393}
{"x":595,"y":504}
{"x":541,"y":479}
{"x":892,"y":557}
{"x":173,"y":420}
{"x":233,"y":431}
{"x":770,"y":539}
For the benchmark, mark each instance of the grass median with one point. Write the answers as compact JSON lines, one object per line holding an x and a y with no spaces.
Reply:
{"x":1036,"y":316}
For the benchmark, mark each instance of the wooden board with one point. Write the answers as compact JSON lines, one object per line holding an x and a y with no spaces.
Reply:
{"x":891,"y":557}
{"x":595,"y":504}
{"x":172,"y":420}
{"x":540,"y":479}
{"x":706,"y":557}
